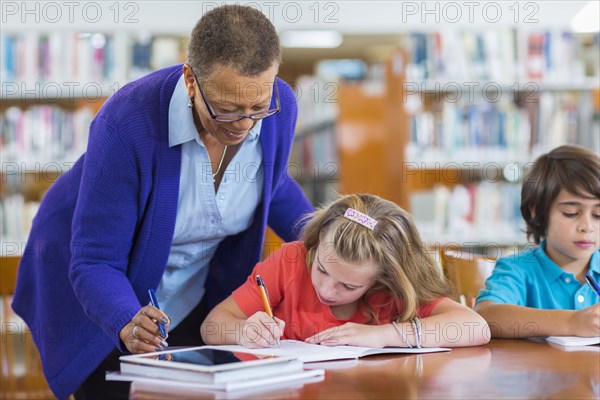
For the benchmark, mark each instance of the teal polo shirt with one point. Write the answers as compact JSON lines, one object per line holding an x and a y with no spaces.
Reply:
{"x":532,"y":279}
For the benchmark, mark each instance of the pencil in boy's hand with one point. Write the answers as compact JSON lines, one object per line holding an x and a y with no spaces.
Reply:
{"x":264,"y":295}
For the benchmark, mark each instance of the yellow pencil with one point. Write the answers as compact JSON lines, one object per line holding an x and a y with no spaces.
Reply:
{"x":264,"y":295}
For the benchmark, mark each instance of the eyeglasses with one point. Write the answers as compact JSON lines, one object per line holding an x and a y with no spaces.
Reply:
{"x":237,"y":117}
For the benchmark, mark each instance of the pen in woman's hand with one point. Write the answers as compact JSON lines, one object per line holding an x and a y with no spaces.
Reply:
{"x":154,"y":302}
{"x":264,"y":294}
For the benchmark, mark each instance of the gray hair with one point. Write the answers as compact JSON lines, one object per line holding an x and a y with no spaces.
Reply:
{"x":234,"y":36}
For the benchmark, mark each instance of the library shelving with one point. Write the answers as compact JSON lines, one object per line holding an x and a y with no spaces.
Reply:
{"x":451,"y":144}
{"x":313,"y":161}
{"x":53,"y":84}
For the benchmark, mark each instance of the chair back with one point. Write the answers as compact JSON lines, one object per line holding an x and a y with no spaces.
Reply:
{"x":467,"y":272}
{"x":21,"y":374}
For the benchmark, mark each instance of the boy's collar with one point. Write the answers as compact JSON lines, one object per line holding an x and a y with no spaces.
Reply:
{"x":553,"y":271}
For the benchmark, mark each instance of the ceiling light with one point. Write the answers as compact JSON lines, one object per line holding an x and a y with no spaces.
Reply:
{"x":311,"y":39}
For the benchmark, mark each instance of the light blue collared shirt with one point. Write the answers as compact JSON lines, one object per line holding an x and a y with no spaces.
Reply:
{"x":532,"y":279}
{"x":204,"y":217}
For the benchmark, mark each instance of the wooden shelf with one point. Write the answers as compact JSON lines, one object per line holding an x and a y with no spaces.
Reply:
{"x":371,"y":134}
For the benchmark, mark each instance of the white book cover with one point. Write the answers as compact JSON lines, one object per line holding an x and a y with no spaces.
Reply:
{"x":220,"y":377}
{"x":247,"y":386}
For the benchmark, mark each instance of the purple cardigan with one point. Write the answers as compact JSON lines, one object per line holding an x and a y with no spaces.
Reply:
{"x":103,"y":232}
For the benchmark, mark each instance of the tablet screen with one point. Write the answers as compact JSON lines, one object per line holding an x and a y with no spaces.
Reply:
{"x":204,"y":357}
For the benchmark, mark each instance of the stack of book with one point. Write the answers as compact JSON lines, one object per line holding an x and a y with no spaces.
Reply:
{"x":234,"y":368}
{"x":211,"y":368}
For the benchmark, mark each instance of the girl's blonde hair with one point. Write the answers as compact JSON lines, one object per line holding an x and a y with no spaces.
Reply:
{"x":407,"y":272}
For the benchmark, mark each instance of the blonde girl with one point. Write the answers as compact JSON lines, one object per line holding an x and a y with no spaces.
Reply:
{"x":360,"y":276}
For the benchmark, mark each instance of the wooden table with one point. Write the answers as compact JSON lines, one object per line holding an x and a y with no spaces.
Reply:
{"x":502,"y":369}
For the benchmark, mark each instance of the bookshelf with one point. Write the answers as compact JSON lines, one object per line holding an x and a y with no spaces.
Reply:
{"x":53,"y":84}
{"x":450,"y":141}
{"x":314,"y":160}
{"x":490,"y":129}
{"x":382,"y":136}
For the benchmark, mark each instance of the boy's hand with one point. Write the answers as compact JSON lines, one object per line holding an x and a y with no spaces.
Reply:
{"x":586,"y":322}
{"x":261,"y":330}
{"x":352,"y":334}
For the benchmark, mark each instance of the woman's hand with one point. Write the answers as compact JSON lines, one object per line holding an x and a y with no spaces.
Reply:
{"x":352,"y":334}
{"x":586,"y":322}
{"x":141,"y":334}
{"x":260,"y":330}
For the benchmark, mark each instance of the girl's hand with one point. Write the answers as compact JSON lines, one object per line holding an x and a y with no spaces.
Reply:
{"x":141,"y":334}
{"x":260,"y":330}
{"x":352,"y":334}
{"x":586,"y":322}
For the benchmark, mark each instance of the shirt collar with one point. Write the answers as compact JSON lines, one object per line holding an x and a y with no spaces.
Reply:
{"x":595,"y":263}
{"x":181,"y":121}
{"x":553,"y":271}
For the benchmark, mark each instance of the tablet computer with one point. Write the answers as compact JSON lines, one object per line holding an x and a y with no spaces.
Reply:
{"x":203,"y":359}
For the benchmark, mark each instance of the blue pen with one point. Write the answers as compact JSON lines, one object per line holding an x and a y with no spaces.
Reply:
{"x":154,"y":302}
{"x":593,"y":284}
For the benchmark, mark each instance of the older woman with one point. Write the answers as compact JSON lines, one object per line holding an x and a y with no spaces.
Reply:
{"x":184,"y":170}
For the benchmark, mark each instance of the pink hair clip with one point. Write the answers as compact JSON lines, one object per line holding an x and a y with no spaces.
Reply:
{"x":360,"y":218}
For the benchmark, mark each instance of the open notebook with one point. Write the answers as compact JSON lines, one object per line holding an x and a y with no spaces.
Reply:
{"x":568,"y":341}
{"x":314,"y":352}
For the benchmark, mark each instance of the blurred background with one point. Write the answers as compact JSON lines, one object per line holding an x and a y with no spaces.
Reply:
{"x":439,"y":106}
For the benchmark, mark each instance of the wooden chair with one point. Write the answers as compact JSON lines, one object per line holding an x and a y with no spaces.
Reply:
{"x":467,"y":272}
{"x":21,"y":374}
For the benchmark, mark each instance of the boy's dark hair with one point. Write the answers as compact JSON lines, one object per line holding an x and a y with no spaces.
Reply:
{"x":234,"y":36}
{"x":568,"y":167}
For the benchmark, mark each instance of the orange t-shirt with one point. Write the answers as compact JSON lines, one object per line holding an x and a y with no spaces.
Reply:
{"x":294,"y":300}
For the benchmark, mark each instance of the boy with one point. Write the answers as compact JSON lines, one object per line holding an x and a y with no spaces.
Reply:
{"x":542,"y":291}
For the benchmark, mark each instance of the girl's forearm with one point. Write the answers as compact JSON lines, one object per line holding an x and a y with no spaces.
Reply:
{"x":222,"y":328}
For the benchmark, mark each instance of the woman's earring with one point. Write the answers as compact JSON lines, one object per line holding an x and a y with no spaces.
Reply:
{"x":190,"y":102}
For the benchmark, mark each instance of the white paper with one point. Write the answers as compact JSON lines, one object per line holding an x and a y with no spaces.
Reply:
{"x":313,"y":352}
{"x":569,"y":341}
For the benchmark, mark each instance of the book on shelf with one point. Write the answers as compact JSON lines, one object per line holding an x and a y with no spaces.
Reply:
{"x":482,"y":212}
{"x":317,"y":102}
{"x":44,"y":134}
{"x":313,"y":352}
{"x":462,"y":132}
{"x":502,"y":56}
{"x":16,"y":216}
{"x":43,"y":60}
{"x":572,"y":341}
